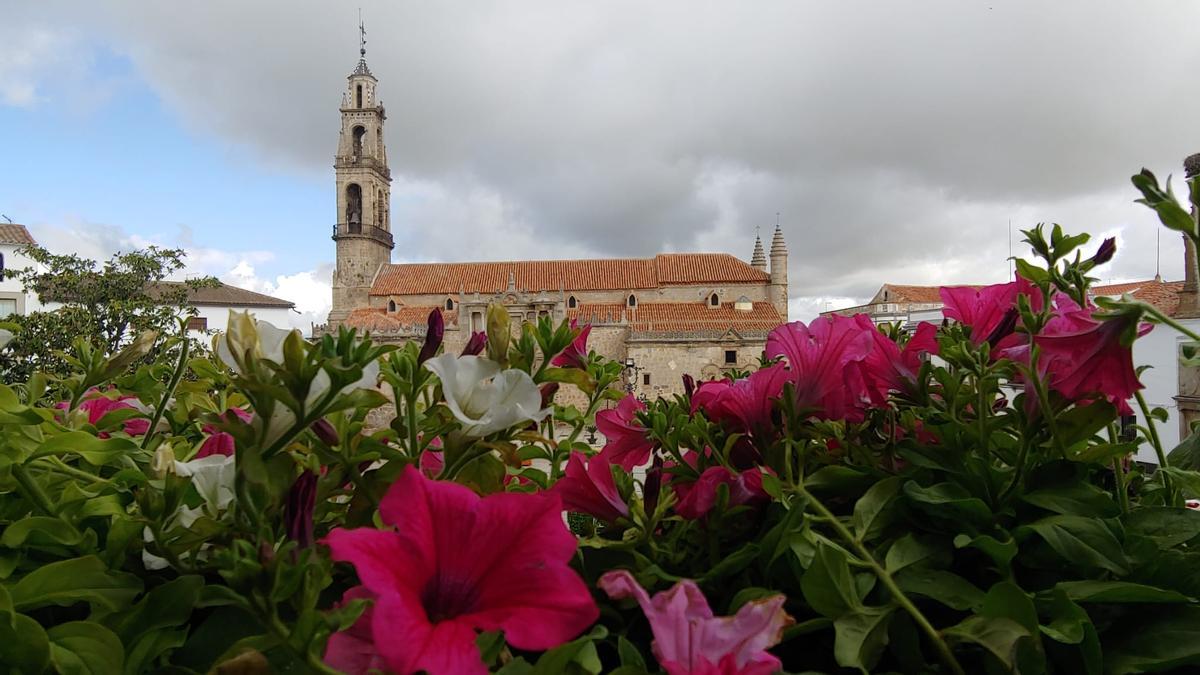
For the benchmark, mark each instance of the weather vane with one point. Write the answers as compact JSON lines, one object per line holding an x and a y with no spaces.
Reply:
{"x":362,"y":35}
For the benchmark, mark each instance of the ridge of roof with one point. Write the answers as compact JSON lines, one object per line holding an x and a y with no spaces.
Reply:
{"x":15,"y":233}
{"x":225,"y":295}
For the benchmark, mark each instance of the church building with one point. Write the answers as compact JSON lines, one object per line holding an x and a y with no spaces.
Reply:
{"x":700,"y":314}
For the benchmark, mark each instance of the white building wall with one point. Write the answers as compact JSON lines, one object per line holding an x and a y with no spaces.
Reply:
{"x":1159,"y":349}
{"x":218,"y":316}
{"x":11,"y":287}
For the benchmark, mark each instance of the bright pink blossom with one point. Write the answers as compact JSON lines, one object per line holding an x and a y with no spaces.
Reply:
{"x":747,"y":404}
{"x":628,"y":445}
{"x":698,"y":497}
{"x":689,"y":640}
{"x":221,"y":442}
{"x":576,"y":354}
{"x":981,"y":309}
{"x":1089,"y":357}
{"x":353,"y":650}
{"x":432,"y":462}
{"x":588,"y":487}
{"x":96,"y":406}
{"x":453,"y":563}
{"x":824,"y":363}
{"x":889,"y":368}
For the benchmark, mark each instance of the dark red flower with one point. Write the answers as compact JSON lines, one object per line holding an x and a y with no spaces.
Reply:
{"x":1084,"y":357}
{"x":628,"y":444}
{"x":298,"y":509}
{"x":476,"y":344}
{"x":433,"y":337}
{"x":696,"y":498}
{"x":588,"y":487}
{"x":745,"y":405}
{"x":221,"y":442}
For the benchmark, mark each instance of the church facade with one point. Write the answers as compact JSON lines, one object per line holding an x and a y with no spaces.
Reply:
{"x":700,"y":314}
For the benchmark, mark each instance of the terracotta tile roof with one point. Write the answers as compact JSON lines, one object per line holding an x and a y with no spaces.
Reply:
{"x":903,"y":293}
{"x":225,"y":295}
{"x":572,"y":275}
{"x":1162,"y":294}
{"x":682,"y":317}
{"x":11,"y":233}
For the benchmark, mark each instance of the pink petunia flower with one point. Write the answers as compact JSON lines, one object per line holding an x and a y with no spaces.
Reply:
{"x":96,"y":406}
{"x":697,"y":498}
{"x":689,"y":640}
{"x":981,"y":309}
{"x":588,"y":487}
{"x":353,"y":650}
{"x":576,"y":354}
{"x":824,"y":363}
{"x":889,"y":368}
{"x":455,"y":563}
{"x":745,"y":405}
{"x":628,"y":445}
{"x":221,"y":442}
{"x":1084,"y":356}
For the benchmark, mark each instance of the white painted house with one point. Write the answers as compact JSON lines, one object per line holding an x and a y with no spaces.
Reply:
{"x":13,"y":299}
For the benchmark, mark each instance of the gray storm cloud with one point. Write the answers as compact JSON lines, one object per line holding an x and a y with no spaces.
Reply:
{"x":897,"y":140}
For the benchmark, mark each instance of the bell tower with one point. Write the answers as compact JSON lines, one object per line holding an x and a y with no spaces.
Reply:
{"x":363,"y":229}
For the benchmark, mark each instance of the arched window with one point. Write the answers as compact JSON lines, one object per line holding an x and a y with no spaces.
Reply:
{"x":358,"y":133}
{"x":632,"y":302}
{"x":449,"y":303}
{"x":714,"y":300}
{"x":358,"y":97}
{"x":572,"y":303}
{"x":391,"y":305}
{"x":354,"y":208}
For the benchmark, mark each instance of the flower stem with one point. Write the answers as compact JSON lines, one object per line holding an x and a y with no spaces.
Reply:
{"x":939,"y":644}
{"x":1155,"y":441}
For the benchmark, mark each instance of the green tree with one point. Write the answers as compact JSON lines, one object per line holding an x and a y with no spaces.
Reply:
{"x":105,"y":303}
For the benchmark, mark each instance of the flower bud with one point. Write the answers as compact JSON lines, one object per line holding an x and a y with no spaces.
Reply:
{"x":689,"y":386}
{"x":548,"y":391}
{"x":653,"y":485}
{"x":476,"y":344}
{"x":1106,"y":251}
{"x":163,"y":462}
{"x":325,"y":431}
{"x":433,"y":337}
{"x":499,"y":329}
{"x":298,"y":509}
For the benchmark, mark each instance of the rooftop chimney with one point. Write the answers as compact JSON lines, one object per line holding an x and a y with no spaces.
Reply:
{"x":1189,"y":295}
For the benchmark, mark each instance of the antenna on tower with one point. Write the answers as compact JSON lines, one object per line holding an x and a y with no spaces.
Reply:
{"x":362,"y":35}
{"x":777,"y":220}
{"x":1011,"y":272}
{"x":6,"y":218}
{"x":1157,"y":254}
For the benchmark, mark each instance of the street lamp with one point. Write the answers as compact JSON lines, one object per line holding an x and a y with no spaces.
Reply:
{"x":633,"y":369}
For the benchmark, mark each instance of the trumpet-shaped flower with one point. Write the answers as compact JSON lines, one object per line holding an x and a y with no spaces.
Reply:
{"x":221,"y":442}
{"x":889,"y":368}
{"x":628,"y":444}
{"x":588,"y":487}
{"x":97,"y":405}
{"x":689,"y":640}
{"x":353,"y":650}
{"x":1084,"y":356}
{"x":576,"y":354}
{"x":745,"y":405}
{"x":981,"y":309}
{"x":484,"y":398}
{"x":249,"y":336}
{"x":476,"y":344}
{"x":453,"y":563}
{"x":433,"y":336}
{"x":698,"y":497}
{"x":824,"y":363}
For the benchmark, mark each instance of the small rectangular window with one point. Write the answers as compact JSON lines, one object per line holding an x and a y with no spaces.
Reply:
{"x":198,"y":323}
{"x":646,"y":379}
{"x":7,"y":306}
{"x":730,"y":356}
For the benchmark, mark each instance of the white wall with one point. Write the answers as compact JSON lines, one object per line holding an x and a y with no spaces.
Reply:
{"x":10,"y":285}
{"x":218,"y":317}
{"x":1160,"y":350}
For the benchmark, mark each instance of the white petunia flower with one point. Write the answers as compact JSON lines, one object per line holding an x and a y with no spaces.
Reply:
{"x":483,"y":397}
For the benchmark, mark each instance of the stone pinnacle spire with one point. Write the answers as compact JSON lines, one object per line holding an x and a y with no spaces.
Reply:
{"x":759,"y":259}
{"x":778,"y":246}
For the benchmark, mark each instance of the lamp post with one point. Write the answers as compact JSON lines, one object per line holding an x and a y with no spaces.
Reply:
{"x":633,"y":369}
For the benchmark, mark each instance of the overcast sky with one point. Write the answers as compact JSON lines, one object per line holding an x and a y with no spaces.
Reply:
{"x":896,"y":140}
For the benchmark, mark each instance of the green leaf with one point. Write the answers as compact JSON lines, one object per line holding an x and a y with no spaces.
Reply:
{"x":40,"y":531}
{"x":945,"y":587}
{"x":95,"y":450}
{"x":66,"y":582}
{"x":24,"y":646}
{"x":629,"y":654}
{"x":1074,"y":499}
{"x":165,"y":607}
{"x":1166,"y":639}
{"x":871,"y":512}
{"x":860,"y":636}
{"x":1163,"y":202}
{"x":1001,"y":552}
{"x":1083,"y":541}
{"x":85,"y":648}
{"x":1189,"y":481}
{"x":828,"y":586}
{"x":579,"y":378}
{"x":997,"y":636}
{"x":1079,"y":423}
{"x":1118,"y":592}
{"x":1006,"y":600}
{"x":577,"y":656}
{"x":909,"y":551}
{"x":949,"y":501}
{"x":1167,"y":526}
{"x":837,"y":479}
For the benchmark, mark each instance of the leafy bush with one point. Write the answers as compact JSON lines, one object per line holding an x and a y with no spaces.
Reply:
{"x":955,"y":500}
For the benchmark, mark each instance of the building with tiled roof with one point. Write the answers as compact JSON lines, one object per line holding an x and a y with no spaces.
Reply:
{"x":13,"y":238}
{"x":668,"y":315}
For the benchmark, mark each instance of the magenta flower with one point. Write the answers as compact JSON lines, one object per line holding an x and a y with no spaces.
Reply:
{"x":576,"y":354}
{"x":353,"y":650}
{"x":454,"y":563}
{"x":298,"y":509}
{"x":588,"y":487}
{"x":475,"y":345}
{"x":744,"y":405}
{"x":1083,"y":357}
{"x":628,"y":445}
{"x":689,"y":640}
{"x":697,"y":498}
{"x":889,"y":368}
{"x":432,"y":462}
{"x":824,"y":363}
{"x":982,"y":309}
{"x":221,"y":442}
{"x":98,"y":405}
